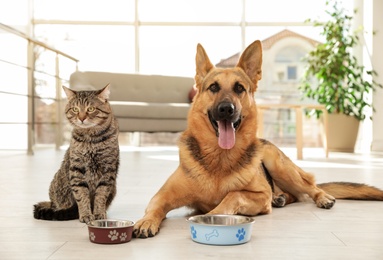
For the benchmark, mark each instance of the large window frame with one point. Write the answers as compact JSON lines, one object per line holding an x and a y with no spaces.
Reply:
{"x":243,"y":22}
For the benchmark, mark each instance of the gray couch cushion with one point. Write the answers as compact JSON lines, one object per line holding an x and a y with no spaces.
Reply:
{"x":136,"y":87}
{"x":142,"y":103}
{"x":151,"y":125}
{"x":150,"y":110}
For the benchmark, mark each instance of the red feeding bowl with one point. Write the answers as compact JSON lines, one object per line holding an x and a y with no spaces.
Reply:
{"x":110,"y":231}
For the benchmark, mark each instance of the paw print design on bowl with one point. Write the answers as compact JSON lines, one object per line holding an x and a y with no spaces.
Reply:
{"x":241,"y":234}
{"x":193,"y":232}
{"x":92,"y":236}
{"x":123,"y":236}
{"x":113,"y":235}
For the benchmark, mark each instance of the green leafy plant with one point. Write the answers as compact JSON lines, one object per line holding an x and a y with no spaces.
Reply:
{"x":340,"y":82}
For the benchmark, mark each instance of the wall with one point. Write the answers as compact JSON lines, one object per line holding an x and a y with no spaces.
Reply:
{"x":377,"y":62}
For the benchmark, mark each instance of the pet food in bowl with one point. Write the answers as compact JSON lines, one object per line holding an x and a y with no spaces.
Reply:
{"x":220,"y":229}
{"x":109,"y":231}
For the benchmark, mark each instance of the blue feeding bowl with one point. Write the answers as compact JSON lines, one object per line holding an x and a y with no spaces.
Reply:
{"x":220,"y":229}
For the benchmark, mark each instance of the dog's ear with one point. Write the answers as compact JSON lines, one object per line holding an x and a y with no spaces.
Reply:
{"x":203,"y":65}
{"x":251,"y":62}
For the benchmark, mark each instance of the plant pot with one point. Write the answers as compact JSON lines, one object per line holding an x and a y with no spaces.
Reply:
{"x":342,"y":133}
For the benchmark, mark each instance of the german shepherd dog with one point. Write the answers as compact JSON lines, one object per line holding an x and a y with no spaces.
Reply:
{"x":224,"y":168}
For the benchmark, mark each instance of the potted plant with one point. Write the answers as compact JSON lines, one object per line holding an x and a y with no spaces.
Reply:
{"x":334,"y":78}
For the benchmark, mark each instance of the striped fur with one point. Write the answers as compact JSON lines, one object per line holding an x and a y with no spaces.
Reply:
{"x":85,"y":184}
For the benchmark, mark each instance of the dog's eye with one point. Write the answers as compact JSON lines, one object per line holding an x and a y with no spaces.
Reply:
{"x":238,"y":88}
{"x":214,"y":87}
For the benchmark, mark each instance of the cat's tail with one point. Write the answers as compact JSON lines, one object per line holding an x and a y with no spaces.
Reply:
{"x":353,"y":191}
{"x":45,"y":211}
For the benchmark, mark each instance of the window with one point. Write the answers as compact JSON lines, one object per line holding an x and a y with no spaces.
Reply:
{"x":141,"y":36}
{"x":291,"y":72}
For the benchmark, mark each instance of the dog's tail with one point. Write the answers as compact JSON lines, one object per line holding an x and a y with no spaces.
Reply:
{"x":352,"y":191}
{"x":45,"y":211}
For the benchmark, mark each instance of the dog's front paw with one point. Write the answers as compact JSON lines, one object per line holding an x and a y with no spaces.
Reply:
{"x":325,"y":202}
{"x":145,"y":228}
{"x":279,"y":201}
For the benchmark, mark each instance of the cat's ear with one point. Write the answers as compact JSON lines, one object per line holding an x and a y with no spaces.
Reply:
{"x":104,"y":93}
{"x":69,"y":93}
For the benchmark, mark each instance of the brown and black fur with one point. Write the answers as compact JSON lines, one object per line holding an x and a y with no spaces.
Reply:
{"x":85,"y":185}
{"x":224,"y":168}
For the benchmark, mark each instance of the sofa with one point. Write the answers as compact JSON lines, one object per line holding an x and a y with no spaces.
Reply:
{"x":142,"y":103}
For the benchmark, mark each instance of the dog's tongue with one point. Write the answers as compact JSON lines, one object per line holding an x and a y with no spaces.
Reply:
{"x":226,"y":138}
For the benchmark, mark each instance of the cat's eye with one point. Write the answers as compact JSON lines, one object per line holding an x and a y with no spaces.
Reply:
{"x":91,"y":109}
{"x":75,"y":109}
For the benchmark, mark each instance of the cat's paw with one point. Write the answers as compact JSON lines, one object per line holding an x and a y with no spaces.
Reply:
{"x":86,"y":218}
{"x":100,"y":216}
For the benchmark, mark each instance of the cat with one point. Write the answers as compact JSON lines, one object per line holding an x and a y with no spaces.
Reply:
{"x":85,"y":185}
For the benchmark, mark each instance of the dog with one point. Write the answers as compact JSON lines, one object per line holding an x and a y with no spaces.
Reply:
{"x":223,"y":167}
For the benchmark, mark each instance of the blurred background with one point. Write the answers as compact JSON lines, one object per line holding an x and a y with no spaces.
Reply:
{"x":43,"y":41}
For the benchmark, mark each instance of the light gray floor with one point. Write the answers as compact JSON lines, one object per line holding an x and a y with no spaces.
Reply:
{"x":351,"y":230}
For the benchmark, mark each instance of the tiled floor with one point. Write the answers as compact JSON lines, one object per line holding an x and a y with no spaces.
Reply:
{"x":351,"y":230}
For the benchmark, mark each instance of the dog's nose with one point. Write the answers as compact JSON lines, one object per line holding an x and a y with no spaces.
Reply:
{"x":225,"y":110}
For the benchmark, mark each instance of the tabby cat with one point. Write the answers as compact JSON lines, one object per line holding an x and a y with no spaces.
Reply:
{"x":85,"y":184}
